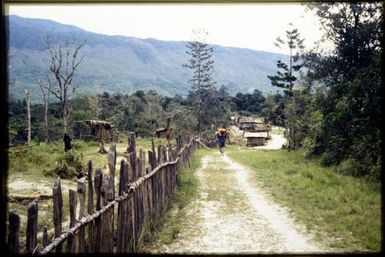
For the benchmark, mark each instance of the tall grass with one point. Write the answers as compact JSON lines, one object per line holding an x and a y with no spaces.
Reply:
{"x":343,"y":211}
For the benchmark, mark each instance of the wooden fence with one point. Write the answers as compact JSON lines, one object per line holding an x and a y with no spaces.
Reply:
{"x":145,"y":191}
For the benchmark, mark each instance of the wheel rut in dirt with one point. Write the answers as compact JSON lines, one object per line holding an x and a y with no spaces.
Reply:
{"x":232,"y":215}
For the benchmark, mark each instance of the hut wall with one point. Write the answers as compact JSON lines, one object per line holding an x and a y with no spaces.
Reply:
{"x":255,"y":141}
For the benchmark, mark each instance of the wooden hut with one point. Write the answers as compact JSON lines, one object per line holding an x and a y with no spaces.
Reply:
{"x":96,"y":130}
{"x":244,"y":123}
{"x":260,"y":127}
{"x":255,"y":138}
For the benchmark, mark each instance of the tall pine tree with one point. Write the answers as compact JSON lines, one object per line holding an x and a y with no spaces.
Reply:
{"x":203,"y":87}
{"x":284,"y":77}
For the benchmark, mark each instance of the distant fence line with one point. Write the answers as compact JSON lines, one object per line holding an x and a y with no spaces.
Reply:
{"x":145,"y":191}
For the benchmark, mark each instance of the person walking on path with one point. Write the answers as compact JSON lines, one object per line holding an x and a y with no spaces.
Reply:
{"x":221,"y":135}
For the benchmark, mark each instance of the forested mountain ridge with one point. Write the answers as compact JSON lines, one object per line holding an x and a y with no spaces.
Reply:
{"x":126,"y":64}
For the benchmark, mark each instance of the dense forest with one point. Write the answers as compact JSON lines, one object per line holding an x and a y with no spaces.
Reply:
{"x":330,"y":105}
{"x":145,"y":111}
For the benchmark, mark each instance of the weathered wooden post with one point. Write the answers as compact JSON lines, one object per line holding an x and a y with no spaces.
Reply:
{"x":90,"y":208}
{"x":45,"y":236}
{"x":137,"y":203}
{"x":174,"y":169}
{"x":163,"y":178}
{"x":170,"y":174}
{"x":153,"y":150}
{"x":159,"y":155}
{"x":107,"y":217}
{"x":131,"y":143}
{"x":13,"y":233}
{"x":122,"y":226}
{"x":31,"y":239}
{"x":130,"y":218}
{"x":57,"y":211}
{"x":112,"y":164}
{"x":98,"y":221}
{"x":143,"y":186}
{"x":81,"y":190}
{"x":72,"y":239}
{"x":148,"y":193}
{"x":154,"y":189}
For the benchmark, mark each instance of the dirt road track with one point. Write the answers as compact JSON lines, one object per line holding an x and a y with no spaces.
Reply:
{"x":232,"y":215}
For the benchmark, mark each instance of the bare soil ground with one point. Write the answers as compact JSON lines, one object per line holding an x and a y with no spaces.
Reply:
{"x":274,"y":143}
{"x":232,"y":215}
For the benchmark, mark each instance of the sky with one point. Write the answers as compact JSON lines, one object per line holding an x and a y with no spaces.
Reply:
{"x":254,"y":26}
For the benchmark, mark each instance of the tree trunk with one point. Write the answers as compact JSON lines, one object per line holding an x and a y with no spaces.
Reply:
{"x":28,"y":103}
{"x":65,"y":119}
{"x":46,"y":119}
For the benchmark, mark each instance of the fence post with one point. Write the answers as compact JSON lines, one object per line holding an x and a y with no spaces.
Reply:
{"x":130,"y":218}
{"x":90,"y":209}
{"x":32,"y":226}
{"x":149,"y":193}
{"x":81,"y":189}
{"x":98,"y":222}
{"x":57,"y":211}
{"x":164,"y":178}
{"x":159,"y":160}
{"x":121,"y":233}
{"x":13,"y":233}
{"x":107,"y":217}
{"x":153,"y":153}
{"x":170,"y":174}
{"x":45,"y":236}
{"x":137,"y":203}
{"x":112,"y":164}
{"x":72,"y":239}
{"x":131,"y":143}
{"x":152,"y":159}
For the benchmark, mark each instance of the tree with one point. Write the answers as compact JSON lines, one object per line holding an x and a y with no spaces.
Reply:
{"x":28,"y":107}
{"x":273,"y":109}
{"x":351,"y":74}
{"x":202,"y":82}
{"x":285,"y":78}
{"x":45,"y":88}
{"x":65,"y":60}
{"x":249,"y":103}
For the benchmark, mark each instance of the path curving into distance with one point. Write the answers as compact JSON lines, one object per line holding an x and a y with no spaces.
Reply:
{"x":232,"y":215}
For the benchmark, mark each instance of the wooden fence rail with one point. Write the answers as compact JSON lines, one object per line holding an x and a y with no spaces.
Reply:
{"x":145,"y":191}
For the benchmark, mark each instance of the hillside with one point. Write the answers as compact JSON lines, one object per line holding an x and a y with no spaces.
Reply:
{"x":126,"y":64}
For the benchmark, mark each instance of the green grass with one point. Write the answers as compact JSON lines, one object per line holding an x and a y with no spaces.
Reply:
{"x":345,"y":212}
{"x":170,"y":224}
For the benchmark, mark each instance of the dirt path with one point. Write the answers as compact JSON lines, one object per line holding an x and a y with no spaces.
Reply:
{"x":231,"y":215}
{"x":274,"y":143}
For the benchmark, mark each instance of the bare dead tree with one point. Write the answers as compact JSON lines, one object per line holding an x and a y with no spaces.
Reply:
{"x":65,"y":59}
{"x":45,"y":88}
{"x":28,"y":106}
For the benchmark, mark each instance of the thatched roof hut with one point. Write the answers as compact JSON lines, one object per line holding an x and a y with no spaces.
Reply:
{"x":255,"y":138}
{"x":97,"y":130}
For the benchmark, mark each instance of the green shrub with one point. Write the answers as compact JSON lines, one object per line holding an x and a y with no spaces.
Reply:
{"x":67,"y":165}
{"x":375,"y":171}
{"x":328,"y":158}
{"x":348,"y":167}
